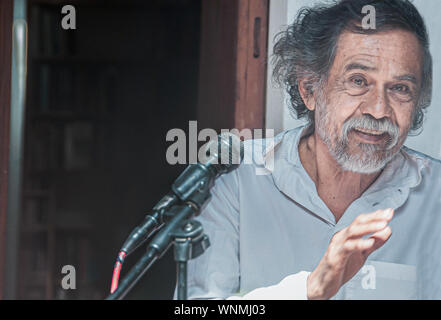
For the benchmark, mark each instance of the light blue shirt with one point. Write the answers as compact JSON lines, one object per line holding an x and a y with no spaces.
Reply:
{"x":264,"y":228}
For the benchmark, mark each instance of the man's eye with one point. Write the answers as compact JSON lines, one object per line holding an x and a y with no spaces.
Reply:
{"x":359,"y":82}
{"x":402,"y":92}
{"x":356,"y":85}
{"x":401,"y":88}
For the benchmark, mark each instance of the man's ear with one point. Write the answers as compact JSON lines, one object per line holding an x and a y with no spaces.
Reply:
{"x":307,"y":93}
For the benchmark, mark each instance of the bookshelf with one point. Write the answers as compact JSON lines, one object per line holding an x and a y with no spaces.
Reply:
{"x":100,"y":100}
{"x":69,"y":94}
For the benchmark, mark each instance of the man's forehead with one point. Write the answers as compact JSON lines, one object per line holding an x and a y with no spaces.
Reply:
{"x":369,"y":62}
{"x":400,"y":48}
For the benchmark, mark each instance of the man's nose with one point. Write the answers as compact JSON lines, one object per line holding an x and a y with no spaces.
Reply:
{"x":377,"y":105}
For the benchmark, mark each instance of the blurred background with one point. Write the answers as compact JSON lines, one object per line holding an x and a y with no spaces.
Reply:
{"x":100,"y":100}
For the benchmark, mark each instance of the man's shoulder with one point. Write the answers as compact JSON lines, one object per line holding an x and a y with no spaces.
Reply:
{"x":427,"y":165}
{"x":260,"y":147}
{"x":262,"y":155}
{"x":420,"y":156}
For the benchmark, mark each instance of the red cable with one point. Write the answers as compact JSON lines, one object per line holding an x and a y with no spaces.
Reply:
{"x":117,"y":270}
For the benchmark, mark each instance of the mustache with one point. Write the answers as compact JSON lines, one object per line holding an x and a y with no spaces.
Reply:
{"x":366,"y":122}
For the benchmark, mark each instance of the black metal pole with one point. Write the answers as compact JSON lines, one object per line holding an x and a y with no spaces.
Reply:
{"x":182,"y":280}
{"x":157,"y":247}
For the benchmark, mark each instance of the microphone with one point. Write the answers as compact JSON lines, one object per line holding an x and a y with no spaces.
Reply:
{"x":188,"y":193}
{"x":218,"y":157}
{"x":190,"y":190}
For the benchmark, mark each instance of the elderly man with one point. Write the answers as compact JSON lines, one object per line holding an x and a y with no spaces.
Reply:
{"x":347,"y":212}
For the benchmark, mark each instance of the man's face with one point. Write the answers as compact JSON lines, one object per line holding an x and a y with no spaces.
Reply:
{"x":365,"y":109}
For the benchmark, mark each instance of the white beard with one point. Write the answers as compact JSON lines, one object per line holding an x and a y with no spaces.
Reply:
{"x":370,"y":159}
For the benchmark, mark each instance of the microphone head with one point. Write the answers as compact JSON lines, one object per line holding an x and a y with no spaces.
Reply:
{"x":225,"y":153}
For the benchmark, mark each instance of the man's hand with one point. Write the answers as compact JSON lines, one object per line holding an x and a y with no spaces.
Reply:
{"x":347,"y":253}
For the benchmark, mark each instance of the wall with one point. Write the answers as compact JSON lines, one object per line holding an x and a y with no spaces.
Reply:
{"x":283,"y":12}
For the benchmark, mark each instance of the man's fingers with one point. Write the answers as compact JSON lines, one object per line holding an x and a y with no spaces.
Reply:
{"x":377,"y":215}
{"x":369,"y":245}
{"x":368,"y":223}
{"x":359,"y":230}
{"x":351,"y":246}
{"x":372,"y":223}
{"x":382,"y":234}
{"x":380,"y":239}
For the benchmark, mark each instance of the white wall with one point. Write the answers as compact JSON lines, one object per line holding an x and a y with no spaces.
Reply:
{"x":283,"y":12}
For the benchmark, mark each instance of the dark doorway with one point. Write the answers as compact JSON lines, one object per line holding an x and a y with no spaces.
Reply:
{"x":100,"y":101}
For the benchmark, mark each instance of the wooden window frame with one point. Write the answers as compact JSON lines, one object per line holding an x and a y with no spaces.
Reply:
{"x":6,"y":8}
{"x":233,"y":63}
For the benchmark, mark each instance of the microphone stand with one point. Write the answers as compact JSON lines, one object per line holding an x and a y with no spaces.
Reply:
{"x":186,"y":234}
{"x":189,"y":242}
